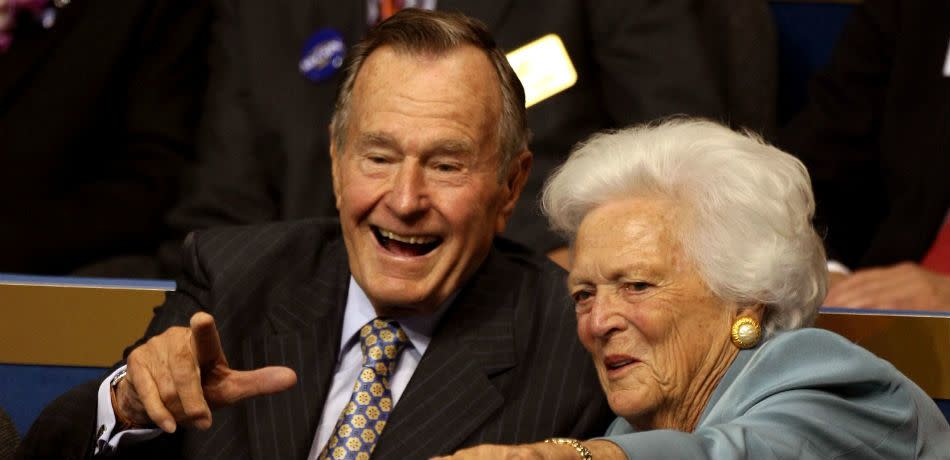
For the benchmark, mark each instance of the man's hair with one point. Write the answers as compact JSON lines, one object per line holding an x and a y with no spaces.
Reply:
{"x":420,"y":32}
{"x":747,"y":208}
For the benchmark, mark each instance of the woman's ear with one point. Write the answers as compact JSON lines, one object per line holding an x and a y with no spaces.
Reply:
{"x":755,"y":311}
{"x":746,"y":331}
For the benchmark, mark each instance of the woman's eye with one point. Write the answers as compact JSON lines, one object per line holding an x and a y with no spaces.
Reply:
{"x":639,"y":286}
{"x":581,"y":296}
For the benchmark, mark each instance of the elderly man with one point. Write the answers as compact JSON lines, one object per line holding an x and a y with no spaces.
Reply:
{"x":452,"y":339}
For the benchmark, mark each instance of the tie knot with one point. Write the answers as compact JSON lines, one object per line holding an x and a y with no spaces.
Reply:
{"x":381,"y":342}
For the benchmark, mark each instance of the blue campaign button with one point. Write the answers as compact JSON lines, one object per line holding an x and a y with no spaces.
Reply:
{"x":322,"y":55}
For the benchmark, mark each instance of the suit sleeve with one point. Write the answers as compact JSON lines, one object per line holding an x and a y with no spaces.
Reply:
{"x":66,"y":428}
{"x":639,"y":82}
{"x":836,"y":135}
{"x":233,"y":181}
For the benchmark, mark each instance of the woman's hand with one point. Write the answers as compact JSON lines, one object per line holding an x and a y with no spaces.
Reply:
{"x":600,"y":450}
{"x":519,"y":452}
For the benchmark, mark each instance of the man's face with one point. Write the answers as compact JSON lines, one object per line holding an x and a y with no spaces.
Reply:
{"x":417,"y":182}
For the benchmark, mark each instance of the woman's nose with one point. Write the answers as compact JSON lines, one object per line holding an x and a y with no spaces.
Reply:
{"x":605,"y":317}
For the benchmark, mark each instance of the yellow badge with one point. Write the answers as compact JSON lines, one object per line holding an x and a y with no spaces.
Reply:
{"x":543,"y":67}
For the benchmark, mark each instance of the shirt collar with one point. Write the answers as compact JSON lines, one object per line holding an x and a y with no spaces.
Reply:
{"x":359,"y":311}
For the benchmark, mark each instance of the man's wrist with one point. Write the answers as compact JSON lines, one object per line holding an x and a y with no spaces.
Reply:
{"x":123,"y":422}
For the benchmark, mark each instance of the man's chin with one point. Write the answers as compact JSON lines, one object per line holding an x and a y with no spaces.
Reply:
{"x":402,"y":312}
{"x":404,"y":300}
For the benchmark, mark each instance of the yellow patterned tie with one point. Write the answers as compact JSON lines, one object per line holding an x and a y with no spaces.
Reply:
{"x":364,"y":417}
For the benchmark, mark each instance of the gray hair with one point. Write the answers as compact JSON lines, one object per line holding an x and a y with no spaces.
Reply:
{"x":420,"y":32}
{"x":748,"y":208}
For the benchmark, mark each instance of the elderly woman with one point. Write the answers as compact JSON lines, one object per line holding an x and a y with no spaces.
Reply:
{"x":696,"y":271}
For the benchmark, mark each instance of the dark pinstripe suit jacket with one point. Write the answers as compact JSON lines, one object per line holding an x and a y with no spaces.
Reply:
{"x":8,"y":436}
{"x":504,"y":365}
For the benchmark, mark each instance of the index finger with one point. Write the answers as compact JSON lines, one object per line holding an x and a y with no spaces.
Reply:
{"x":205,"y":340}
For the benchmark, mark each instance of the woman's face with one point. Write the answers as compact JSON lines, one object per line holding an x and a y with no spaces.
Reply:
{"x":658,"y":336}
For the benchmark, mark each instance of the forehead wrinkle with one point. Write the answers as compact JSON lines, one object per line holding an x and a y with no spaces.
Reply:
{"x":460,"y":116}
{"x":429,"y":70}
{"x":376,"y":139}
{"x":607,"y":272}
{"x":453,"y":147}
{"x":460,"y":149}
{"x":642,"y":243}
{"x":402,"y":97}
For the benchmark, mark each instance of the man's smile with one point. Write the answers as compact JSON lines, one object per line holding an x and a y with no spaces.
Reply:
{"x":405,"y":245}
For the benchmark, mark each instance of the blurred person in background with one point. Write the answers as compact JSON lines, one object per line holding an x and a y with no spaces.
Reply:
{"x":875,"y":136}
{"x":696,"y":273}
{"x":275,"y":71}
{"x":98,"y":109}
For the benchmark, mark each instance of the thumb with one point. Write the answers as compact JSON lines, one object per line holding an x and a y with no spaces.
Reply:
{"x":238,"y":385}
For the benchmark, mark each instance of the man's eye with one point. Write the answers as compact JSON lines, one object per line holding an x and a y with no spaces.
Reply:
{"x":447,"y":167}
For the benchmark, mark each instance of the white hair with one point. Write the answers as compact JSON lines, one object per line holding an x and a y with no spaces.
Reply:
{"x":747,"y":206}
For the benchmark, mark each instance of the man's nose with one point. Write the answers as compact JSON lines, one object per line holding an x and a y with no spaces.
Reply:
{"x":409,"y":196}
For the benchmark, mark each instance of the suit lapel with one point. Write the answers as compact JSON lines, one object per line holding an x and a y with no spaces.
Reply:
{"x":307,"y":317}
{"x":31,"y":48}
{"x":491,"y":12}
{"x":451,"y":394}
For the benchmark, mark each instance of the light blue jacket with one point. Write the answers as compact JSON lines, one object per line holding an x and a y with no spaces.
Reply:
{"x":804,"y":394}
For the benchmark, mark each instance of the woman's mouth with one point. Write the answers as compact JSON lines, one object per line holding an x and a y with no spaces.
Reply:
{"x":617,"y":363}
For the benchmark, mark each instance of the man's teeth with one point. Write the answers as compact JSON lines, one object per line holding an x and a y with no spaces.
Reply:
{"x":407,"y":239}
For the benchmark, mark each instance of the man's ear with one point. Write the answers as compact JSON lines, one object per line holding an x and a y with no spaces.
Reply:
{"x":335,"y":166}
{"x":513,"y":185}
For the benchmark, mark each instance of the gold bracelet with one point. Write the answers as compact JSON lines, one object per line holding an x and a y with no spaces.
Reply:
{"x":581,"y":449}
